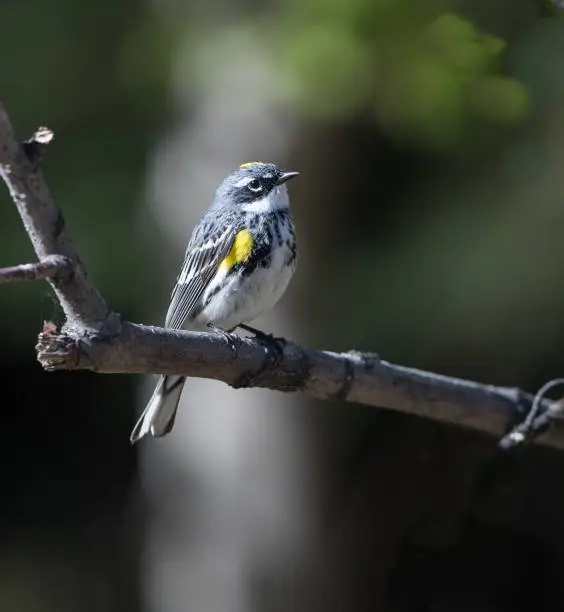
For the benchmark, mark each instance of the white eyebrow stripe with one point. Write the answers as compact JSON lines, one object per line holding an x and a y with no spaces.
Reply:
{"x":244,"y":181}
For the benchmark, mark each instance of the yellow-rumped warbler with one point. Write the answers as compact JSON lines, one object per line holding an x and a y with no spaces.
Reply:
{"x":238,"y":263}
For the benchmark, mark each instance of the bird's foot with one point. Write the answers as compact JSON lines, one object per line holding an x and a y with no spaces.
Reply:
{"x":274,"y":352}
{"x":274,"y":344}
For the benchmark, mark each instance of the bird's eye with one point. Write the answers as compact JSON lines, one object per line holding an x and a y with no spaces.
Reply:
{"x":255,"y":185}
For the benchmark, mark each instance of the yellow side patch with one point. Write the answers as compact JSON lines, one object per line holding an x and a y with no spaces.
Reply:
{"x":240,"y":251}
{"x":250,"y":164}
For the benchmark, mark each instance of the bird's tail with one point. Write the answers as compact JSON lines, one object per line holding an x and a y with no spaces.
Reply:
{"x":160,"y":412}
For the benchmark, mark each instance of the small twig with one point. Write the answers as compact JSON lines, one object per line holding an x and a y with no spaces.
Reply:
{"x":35,"y":146}
{"x":537,"y":420}
{"x":53,"y":266}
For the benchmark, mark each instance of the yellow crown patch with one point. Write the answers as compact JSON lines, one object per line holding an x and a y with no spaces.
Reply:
{"x":250,"y":164}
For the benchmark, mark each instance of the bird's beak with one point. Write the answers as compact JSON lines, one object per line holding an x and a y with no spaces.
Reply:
{"x":286,"y":176}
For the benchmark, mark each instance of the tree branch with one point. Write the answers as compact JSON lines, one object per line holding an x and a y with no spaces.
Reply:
{"x":44,"y":223}
{"x":95,"y":338}
{"x":56,"y":267}
{"x":354,"y":377}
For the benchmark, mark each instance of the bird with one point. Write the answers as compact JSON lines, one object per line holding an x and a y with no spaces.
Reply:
{"x":238,"y":263}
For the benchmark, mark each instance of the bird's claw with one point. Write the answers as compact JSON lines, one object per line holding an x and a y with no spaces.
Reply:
{"x":274,"y":352}
{"x":273,"y":344}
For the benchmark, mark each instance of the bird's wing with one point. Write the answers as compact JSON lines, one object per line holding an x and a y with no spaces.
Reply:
{"x":205,"y":251}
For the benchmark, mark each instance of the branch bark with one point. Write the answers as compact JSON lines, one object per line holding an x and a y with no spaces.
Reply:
{"x":95,"y":338}
{"x":53,"y":266}
{"x":84,"y":307}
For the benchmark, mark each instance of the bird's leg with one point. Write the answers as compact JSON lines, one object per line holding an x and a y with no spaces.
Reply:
{"x":227,"y":336}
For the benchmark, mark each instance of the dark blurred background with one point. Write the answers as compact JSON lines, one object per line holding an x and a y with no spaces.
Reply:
{"x":430,"y":140}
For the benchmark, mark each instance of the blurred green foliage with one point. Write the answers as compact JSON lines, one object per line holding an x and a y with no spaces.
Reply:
{"x":553,"y":8}
{"x":426,"y":75}
{"x":97,"y":75}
